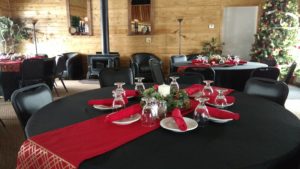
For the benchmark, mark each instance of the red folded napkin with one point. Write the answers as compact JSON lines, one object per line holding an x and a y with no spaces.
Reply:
{"x":222,"y":114}
{"x":197,"y":61}
{"x":230,"y":99}
{"x":131,"y":93}
{"x":123,"y":113}
{"x":200,"y":63}
{"x":198,"y":87}
{"x":106,"y":102}
{"x":241,"y":62}
{"x":194,"y":89}
{"x":177,"y":116}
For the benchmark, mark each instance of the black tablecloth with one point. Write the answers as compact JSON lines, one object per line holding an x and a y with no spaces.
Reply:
{"x":266,"y":136}
{"x":233,"y":77}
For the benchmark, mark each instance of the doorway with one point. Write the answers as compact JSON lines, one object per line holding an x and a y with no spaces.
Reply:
{"x":239,"y":27}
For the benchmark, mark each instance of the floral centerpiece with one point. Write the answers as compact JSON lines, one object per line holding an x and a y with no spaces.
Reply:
{"x":215,"y":59}
{"x":175,"y":99}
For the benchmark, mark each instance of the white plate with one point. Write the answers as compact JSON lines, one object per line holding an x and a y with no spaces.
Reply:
{"x":170,"y":124}
{"x":104,"y":107}
{"x":219,"y":120}
{"x":218,"y":106}
{"x":128,"y":120}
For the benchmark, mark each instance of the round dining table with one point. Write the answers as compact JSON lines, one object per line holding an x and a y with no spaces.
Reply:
{"x":266,"y":136}
{"x":234,"y":77}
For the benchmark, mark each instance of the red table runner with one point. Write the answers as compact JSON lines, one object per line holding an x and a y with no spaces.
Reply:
{"x":67,"y":147}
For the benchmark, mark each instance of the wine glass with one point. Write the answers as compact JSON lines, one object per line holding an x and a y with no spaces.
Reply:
{"x":220,"y":100}
{"x":174,"y":86}
{"x":139,"y":85}
{"x":207,"y":89}
{"x":201,"y":114}
{"x":148,"y":118}
{"x":120,"y":88}
{"x":118,"y":102}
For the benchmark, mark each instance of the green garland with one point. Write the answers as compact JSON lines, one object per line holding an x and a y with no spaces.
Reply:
{"x":178,"y":99}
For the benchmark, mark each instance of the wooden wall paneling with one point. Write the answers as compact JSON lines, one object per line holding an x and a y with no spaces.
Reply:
{"x":54,"y":38}
{"x":4,"y":8}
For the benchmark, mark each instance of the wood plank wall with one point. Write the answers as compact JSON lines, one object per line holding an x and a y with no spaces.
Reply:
{"x":4,"y":8}
{"x":53,"y":36}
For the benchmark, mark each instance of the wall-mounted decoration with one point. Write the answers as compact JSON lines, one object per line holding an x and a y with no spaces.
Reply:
{"x":140,"y":16}
{"x":79,"y":17}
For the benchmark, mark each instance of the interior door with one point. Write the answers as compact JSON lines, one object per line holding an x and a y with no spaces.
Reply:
{"x":239,"y":27}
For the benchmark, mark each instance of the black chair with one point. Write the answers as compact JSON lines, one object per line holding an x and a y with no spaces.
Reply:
{"x":273,"y":90}
{"x":32,"y":72}
{"x":156,"y":71}
{"x":108,"y":76}
{"x":176,"y":59}
{"x":207,"y":72}
{"x":43,"y":55}
{"x":290,"y":73}
{"x":60,"y":68}
{"x":266,"y":72}
{"x":189,"y":77}
{"x":73,"y":66}
{"x":192,"y":56}
{"x":139,"y":63}
{"x":28,"y":100}
{"x":49,"y":73}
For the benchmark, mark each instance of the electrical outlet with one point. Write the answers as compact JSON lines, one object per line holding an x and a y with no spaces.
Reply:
{"x":211,"y":26}
{"x":148,"y":40}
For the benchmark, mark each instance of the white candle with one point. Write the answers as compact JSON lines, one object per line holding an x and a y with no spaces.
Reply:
{"x":164,"y":90}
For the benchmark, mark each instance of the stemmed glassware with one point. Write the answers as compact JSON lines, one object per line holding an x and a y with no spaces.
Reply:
{"x":220,"y":100}
{"x":201,"y":114}
{"x":148,"y":118}
{"x":118,"y":102}
{"x":139,"y":85}
{"x":207,"y":89}
{"x":174,"y":86}
{"x":120,"y":88}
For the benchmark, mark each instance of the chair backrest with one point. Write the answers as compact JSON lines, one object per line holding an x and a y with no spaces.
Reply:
{"x":61,"y":64}
{"x":70,"y":54}
{"x":28,"y":100}
{"x":156,"y":71}
{"x":207,"y":72}
{"x":192,"y":56}
{"x":273,"y":90}
{"x":266,"y":72}
{"x":42,"y":55}
{"x":189,"y":77}
{"x":49,"y":71}
{"x":143,"y":58}
{"x":108,"y":76}
{"x":290,"y":72}
{"x":32,"y":71}
{"x":176,"y":59}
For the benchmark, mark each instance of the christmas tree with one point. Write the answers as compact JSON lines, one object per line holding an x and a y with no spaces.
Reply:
{"x":277,"y":31}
